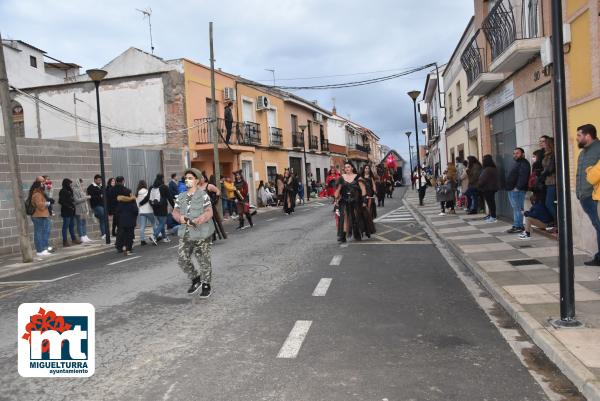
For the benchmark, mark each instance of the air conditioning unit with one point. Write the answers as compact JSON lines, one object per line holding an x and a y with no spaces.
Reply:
{"x":229,"y":94}
{"x":262,"y":103}
{"x":318,"y":117}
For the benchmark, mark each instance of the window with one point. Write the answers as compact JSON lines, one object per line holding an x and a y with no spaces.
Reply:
{"x":458,"y":97}
{"x":294,"y":121}
{"x":33,"y":61}
{"x":271,"y":173}
{"x":318,"y":175}
{"x":17,"y":119}
{"x":450,"y":105}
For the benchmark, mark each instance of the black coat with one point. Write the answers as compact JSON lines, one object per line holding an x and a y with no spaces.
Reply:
{"x":518,"y":177}
{"x":488,"y":180}
{"x":67,"y":202}
{"x":127,"y":213}
{"x":95,"y":194}
{"x":165,"y":199}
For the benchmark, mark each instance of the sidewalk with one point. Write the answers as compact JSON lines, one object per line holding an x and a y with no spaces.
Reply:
{"x":523,"y":277}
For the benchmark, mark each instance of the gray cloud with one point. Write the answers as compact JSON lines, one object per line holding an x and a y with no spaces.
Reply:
{"x":297,"y":38}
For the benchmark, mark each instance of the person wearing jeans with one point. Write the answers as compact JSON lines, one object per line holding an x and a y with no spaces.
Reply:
{"x":145,"y":210}
{"x":40,"y":218}
{"x":587,"y":183}
{"x":96,"y":201}
{"x":159,"y":199}
{"x":517,"y":184}
{"x":66,"y":200}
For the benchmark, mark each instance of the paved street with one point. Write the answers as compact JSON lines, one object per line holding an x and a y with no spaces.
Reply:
{"x":293,"y":316}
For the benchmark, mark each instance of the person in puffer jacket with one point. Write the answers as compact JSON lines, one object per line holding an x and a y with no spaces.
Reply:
{"x":127,"y":212}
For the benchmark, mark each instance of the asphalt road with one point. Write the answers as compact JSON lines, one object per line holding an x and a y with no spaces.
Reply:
{"x":293,"y":316}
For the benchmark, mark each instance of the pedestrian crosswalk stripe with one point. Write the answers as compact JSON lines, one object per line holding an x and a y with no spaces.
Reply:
{"x":395,"y":216}
{"x":336,"y":260}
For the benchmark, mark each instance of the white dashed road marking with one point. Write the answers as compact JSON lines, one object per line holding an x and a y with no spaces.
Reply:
{"x":38,"y":281}
{"x":293,"y":343}
{"x":322,"y":287}
{"x":274,"y":218}
{"x":336,"y":260}
{"x":123,"y":260}
{"x":396,"y":216}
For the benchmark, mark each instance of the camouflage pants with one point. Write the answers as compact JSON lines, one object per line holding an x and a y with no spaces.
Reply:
{"x":201,"y":250}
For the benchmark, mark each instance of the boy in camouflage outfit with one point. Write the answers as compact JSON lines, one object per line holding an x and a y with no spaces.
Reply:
{"x":193,"y":210}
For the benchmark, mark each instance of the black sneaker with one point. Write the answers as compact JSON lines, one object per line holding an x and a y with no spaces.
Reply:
{"x":143,"y":243}
{"x":593,"y":262}
{"x":205,"y":291}
{"x":514,"y":230}
{"x":196,"y":284}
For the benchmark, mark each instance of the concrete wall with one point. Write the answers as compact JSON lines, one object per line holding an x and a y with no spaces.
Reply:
{"x":58,"y":160}
{"x":533,"y":118}
{"x":19,"y":70}
{"x":336,"y":131}
{"x":136,"y":104}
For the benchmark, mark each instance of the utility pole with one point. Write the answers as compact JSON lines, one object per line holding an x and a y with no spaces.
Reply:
{"x":13,"y":163}
{"x":565,"y":227}
{"x":213,"y":122}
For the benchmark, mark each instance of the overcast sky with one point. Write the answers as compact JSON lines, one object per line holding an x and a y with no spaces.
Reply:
{"x":297,"y":38}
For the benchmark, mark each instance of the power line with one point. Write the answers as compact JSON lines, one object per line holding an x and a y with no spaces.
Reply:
{"x":334,"y":75}
{"x":347,"y":84}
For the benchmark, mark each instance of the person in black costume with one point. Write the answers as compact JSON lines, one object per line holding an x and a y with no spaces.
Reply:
{"x":350,"y":203}
{"x":290,"y":188}
{"x":371,"y":187}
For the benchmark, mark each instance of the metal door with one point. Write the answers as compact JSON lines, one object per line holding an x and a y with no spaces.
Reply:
{"x":504,"y":142}
{"x":296,"y":166}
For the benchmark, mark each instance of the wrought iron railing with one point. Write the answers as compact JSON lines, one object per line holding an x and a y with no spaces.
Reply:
{"x":361,"y":148}
{"x":325,"y":145}
{"x":297,"y":139}
{"x":313,"y":142}
{"x":500,"y":28}
{"x":275,"y":136}
{"x":246,"y":133}
{"x":473,"y":60}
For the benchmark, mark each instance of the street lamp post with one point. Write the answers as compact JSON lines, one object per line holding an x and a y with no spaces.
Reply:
{"x":414,"y":95}
{"x":302,"y":128}
{"x":409,"y":154}
{"x":97,"y":76}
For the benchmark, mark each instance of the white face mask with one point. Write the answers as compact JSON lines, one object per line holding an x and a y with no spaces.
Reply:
{"x":189,"y":183}
{"x":534,"y":159}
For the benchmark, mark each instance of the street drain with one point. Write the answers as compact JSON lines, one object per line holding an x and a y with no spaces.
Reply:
{"x":525,"y":262}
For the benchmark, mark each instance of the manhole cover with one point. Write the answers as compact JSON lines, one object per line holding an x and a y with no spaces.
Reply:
{"x":525,"y":262}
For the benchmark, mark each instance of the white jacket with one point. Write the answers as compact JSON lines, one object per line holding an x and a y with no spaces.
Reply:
{"x":145,"y":208}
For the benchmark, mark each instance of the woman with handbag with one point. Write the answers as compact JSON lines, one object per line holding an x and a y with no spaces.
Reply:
{"x":193,"y":210}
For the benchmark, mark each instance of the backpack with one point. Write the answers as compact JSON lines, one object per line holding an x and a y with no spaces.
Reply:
{"x":29,"y":207}
{"x":155,"y":198}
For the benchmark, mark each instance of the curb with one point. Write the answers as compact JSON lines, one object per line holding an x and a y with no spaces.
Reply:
{"x":587,"y":383}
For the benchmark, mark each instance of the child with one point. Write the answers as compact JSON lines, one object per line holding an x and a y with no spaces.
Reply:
{"x":537,"y":216}
{"x":127,"y":212}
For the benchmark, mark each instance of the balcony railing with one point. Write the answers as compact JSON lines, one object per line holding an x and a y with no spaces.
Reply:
{"x":473,"y":60}
{"x":500,"y":28}
{"x":313,"y":142}
{"x":275,"y":136}
{"x":360,"y":148}
{"x":247,"y":133}
{"x":297,"y":139}
{"x":325,"y":145}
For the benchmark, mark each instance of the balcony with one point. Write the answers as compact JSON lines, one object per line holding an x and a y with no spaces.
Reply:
{"x":245,"y":134}
{"x":325,"y":145}
{"x":474,"y":62}
{"x":313,"y":142}
{"x":360,"y":148}
{"x":275,"y":137}
{"x":297,"y":139}
{"x":513,"y":46}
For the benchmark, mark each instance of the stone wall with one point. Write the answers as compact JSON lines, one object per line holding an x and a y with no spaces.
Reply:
{"x":57,"y":159}
{"x":173,"y":162}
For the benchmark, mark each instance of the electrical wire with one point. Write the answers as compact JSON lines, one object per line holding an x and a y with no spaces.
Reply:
{"x":346,"y":84}
{"x":333,"y":76}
